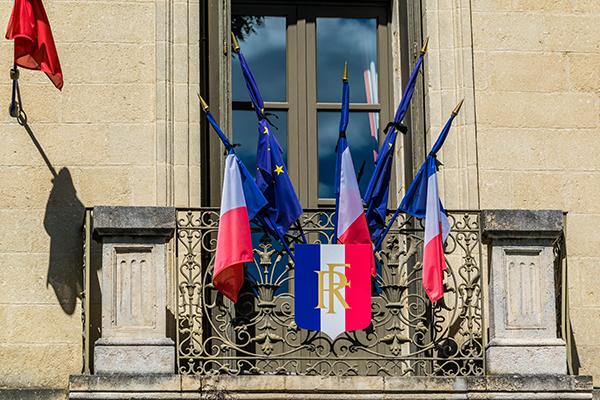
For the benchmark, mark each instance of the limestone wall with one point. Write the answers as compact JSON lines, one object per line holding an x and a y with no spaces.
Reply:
{"x":99,"y":136}
{"x":537,"y":86}
{"x":530,"y":73}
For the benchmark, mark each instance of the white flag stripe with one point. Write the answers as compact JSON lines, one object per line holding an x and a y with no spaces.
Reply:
{"x":350,"y":203}
{"x":332,"y":324}
{"x":233,"y":194}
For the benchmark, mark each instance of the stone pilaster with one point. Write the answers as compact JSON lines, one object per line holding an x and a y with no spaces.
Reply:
{"x":134,"y":290}
{"x":523,"y":326}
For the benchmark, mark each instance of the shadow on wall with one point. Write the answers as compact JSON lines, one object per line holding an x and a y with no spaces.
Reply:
{"x":63,"y":223}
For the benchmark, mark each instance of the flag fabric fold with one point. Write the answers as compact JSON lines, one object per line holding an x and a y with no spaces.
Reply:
{"x":34,"y":45}
{"x":271,"y":172}
{"x":422,"y":200}
{"x":350,"y":224}
{"x":377,"y":193}
{"x":234,"y":242}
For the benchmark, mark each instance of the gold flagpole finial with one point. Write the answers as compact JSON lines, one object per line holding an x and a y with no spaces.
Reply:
{"x":234,"y":43}
{"x":457,"y":108}
{"x":425,"y":46}
{"x":345,"y":76}
{"x":203,"y":103}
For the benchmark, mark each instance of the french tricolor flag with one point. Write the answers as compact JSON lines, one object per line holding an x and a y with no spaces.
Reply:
{"x":352,"y":227}
{"x":332,"y":287}
{"x":422,"y":200}
{"x":234,"y":243}
{"x":437,"y":229}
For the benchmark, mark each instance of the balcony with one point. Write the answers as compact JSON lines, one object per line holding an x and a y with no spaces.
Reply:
{"x":502,"y":300}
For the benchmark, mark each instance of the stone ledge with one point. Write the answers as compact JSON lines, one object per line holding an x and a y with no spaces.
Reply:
{"x":324,"y":388}
{"x":32,"y":394}
{"x":134,"y":221}
{"x":517,"y":224}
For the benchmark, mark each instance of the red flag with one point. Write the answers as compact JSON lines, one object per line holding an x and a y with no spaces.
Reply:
{"x":34,"y":45}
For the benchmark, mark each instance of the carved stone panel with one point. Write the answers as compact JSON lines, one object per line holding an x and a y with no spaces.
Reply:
{"x":524,"y":306}
{"x":133,"y":288}
{"x":134,"y":281}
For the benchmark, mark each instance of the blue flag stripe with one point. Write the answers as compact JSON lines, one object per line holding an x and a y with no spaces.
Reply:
{"x":306,"y":285}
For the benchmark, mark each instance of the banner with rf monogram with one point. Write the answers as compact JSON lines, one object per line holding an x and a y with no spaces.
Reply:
{"x":332,"y":287}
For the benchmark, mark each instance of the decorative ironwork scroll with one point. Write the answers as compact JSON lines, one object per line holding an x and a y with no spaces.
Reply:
{"x":408,"y":335}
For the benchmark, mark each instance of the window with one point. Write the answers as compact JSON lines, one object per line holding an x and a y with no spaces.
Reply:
{"x":297,"y":53}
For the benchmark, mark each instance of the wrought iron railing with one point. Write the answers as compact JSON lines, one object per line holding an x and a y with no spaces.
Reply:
{"x":258,"y":335}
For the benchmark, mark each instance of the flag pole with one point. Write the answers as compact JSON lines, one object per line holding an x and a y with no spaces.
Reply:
{"x":455,"y":112}
{"x":267,"y":224}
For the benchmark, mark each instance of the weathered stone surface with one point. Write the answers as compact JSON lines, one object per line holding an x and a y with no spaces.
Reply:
{"x":505,"y":387}
{"x":134,"y":221}
{"x":517,"y":224}
{"x":144,"y":357}
{"x":33,"y":394}
{"x":529,"y":359}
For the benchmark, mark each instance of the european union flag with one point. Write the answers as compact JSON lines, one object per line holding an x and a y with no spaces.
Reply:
{"x":377,"y":193}
{"x":271,"y":172}
{"x":256,"y":203}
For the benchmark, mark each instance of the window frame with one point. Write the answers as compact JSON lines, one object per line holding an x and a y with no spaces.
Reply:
{"x":301,"y":100}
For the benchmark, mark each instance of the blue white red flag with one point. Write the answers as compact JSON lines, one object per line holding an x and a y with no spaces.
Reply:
{"x":437,"y":229}
{"x":332,"y":287}
{"x":234,"y":243}
{"x":422,"y":200}
{"x":350,"y":223}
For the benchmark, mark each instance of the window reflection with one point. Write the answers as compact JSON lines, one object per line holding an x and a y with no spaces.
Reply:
{"x":359,"y":140}
{"x":262,"y":40}
{"x":347,"y":39}
{"x":245,"y":133}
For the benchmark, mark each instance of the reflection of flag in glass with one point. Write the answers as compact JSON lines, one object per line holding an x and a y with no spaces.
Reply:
{"x":371,"y":91}
{"x":271,"y":172}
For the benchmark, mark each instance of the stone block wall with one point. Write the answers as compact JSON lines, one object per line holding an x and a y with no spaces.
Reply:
{"x":537,"y":91}
{"x":100,"y":138}
{"x":529,"y":71}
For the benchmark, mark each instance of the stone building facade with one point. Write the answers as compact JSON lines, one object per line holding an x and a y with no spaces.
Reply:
{"x":126,"y":130}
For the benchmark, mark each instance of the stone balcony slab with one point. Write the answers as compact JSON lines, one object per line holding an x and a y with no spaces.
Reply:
{"x":169,"y":387}
{"x":134,"y":221}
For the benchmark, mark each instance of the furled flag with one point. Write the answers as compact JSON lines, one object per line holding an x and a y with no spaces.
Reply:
{"x":271,"y":175}
{"x":241,"y":203}
{"x":234,"y":243}
{"x":376,"y":195}
{"x":422,"y":200}
{"x":350,"y":225}
{"x":34,"y":46}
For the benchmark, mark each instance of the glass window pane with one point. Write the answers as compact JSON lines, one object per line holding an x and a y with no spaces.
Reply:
{"x":245,"y":132}
{"x":262,"y":40}
{"x":347,"y":39}
{"x":361,"y":145}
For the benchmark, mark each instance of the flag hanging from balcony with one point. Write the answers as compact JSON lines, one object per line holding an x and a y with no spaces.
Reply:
{"x":34,"y":45}
{"x":350,"y":223}
{"x":377,"y":193}
{"x":332,"y":287}
{"x":234,"y":243}
{"x":422,"y":200}
{"x":271,"y":172}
